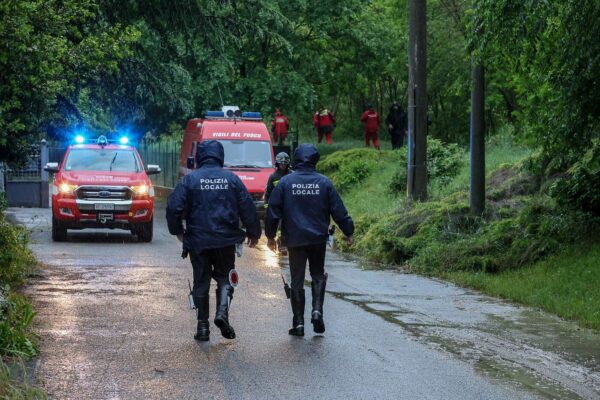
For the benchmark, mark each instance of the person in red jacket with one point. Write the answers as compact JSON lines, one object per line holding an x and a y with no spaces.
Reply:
{"x":324,"y":122}
{"x":370,"y":119}
{"x":279,"y":127}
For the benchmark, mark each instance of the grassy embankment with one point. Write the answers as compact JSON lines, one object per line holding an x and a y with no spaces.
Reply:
{"x":16,"y":313}
{"x":524,"y":248}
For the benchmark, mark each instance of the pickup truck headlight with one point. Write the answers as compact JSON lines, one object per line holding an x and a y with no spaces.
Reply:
{"x":143,"y":190}
{"x":66,"y":188}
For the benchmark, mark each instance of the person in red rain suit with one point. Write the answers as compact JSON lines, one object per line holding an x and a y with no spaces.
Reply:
{"x":279,"y":126}
{"x":370,"y":119}
{"x":324,"y":122}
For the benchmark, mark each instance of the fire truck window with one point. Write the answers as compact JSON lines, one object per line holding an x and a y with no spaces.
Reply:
{"x":247,"y":153}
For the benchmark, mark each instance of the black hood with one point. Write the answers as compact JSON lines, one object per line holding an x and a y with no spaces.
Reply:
{"x":210,"y":150}
{"x":306,"y":155}
{"x":399,"y":109}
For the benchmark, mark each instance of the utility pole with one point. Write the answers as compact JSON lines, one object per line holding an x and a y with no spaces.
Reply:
{"x":417,"y":100}
{"x":477,"y":203}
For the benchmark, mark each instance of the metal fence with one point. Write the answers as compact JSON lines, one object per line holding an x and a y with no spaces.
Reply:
{"x":30,"y":171}
{"x":166,"y":155}
{"x":27,"y":184}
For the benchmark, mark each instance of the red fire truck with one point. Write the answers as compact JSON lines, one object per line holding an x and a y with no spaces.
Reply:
{"x":247,"y":143}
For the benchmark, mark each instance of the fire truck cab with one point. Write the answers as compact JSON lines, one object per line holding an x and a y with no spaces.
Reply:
{"x":246,"y":141}
{"x":102,"y":184}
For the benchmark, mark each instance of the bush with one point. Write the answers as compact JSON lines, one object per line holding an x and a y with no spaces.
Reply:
{"x":518,"y":228}
{"x":16,"y":315}
{"x":16,"y":261}
{"x":14,"y":383}
{"x":535,"y":231}
{"x":579,"y":189}
{"x":444,"y":161}
{"x":347,"y":168}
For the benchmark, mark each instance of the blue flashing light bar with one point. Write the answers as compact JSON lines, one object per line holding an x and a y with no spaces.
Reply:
{"x":251,"y":115}
{"x":124,"y":140}
{"x":215,"y":114}
{"x":79,"y":139}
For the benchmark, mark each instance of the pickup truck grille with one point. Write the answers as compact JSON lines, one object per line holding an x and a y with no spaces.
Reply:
{"x":103,"y":193}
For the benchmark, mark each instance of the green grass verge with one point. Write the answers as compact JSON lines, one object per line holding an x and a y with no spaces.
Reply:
{"x":14,"y":383}
{"x":565,"y":284}
{"x":498,"y":252}
{"x":17,"y":340}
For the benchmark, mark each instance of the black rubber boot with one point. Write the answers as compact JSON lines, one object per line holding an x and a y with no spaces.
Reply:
{"x":318,"y":296}
{"x":224,"y":296}
{"x":202,"y":330}
{"x":297,"y":299}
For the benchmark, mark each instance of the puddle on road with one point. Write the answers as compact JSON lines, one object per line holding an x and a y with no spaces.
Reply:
{"x":509,"y":344}
{"x":491,"y":365}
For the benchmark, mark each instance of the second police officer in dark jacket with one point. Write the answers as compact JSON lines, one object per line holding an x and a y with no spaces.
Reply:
{"x":305,"y":201}
{"x":213,"y":200}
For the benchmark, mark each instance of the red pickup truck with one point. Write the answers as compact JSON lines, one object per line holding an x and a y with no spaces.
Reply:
{"x":102,"y":185}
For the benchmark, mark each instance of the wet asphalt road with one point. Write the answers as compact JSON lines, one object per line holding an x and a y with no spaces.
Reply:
{"x":114,"y":323}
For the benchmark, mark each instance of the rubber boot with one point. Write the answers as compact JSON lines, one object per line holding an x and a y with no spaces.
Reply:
{"x":297,"y":300}
{"x":318,"y":296}
{"x":224,"y":296}
{"x":202,"y":330}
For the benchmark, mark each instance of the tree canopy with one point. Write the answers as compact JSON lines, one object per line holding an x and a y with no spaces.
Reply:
{"x":148,"y":66}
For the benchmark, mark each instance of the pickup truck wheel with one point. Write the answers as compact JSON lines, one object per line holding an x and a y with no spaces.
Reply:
{"x":59,"y":232}
{"x":145,"y":230}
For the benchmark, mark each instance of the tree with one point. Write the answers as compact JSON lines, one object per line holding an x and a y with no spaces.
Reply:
{"x":550,"y":51}
{"x":50,"y":49}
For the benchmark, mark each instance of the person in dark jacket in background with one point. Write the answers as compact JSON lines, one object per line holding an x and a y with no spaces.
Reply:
{"x":305,"y":201}
{"x":282,"y":163}
{"x":213,"y":201}
{"x":397,"y":124}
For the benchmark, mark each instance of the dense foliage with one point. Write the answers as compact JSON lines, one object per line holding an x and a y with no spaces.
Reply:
{"x":147,"y":66}
{"x":53,"y":55}
{"x":443,"y":163}
{"x":16,"y":313}
{"x":547,"y":54}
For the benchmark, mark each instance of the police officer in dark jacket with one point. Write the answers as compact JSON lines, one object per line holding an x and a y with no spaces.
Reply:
{"x":397,"y":124}
{"x":212,"y":200}
{"x":305,"y":201}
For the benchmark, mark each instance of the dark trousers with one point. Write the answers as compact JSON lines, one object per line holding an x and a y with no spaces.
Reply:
{"x":315,"y":254}
{"x":397,"y":136}
{"x":211,"y":263}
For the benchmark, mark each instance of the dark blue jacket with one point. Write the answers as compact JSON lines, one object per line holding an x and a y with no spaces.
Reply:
{"x":212,"y":200}
{"x":305,"y":201}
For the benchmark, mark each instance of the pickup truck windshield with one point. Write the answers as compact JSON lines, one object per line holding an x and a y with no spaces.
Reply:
{"x":101,"y":160}
{"x":247,"y":154}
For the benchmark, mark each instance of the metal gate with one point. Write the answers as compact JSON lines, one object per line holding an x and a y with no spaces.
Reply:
{"x":27,"y":186}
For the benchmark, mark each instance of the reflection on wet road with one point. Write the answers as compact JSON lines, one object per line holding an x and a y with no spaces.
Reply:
{"x":114,"y":323}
